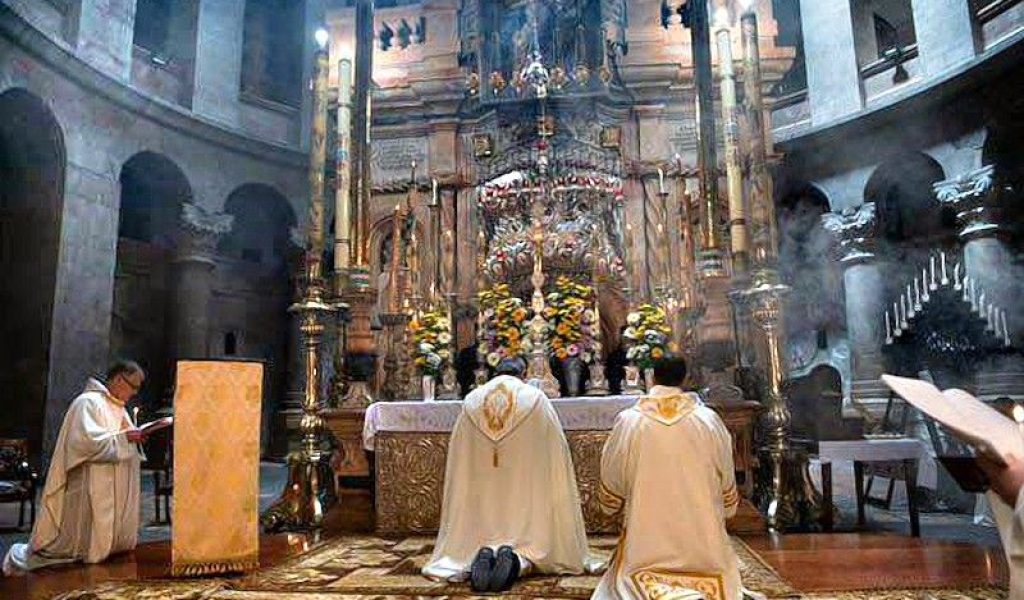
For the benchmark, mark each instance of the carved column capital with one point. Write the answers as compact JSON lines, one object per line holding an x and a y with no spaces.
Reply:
{"x":199,"y":231}
{"x":854,"y":231}
{"x":974,"y":195}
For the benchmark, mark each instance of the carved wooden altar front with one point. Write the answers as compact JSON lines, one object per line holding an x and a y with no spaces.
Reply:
{"x":408,"y":481}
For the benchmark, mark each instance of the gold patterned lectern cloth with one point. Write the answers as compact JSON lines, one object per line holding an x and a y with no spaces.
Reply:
{"x":215,"y":527}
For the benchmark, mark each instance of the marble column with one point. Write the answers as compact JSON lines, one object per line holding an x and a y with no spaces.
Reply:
{"x":833,"y":78}
{"x":194,"y":264}
{"x":977,"y":199}
{"x":945,"y":33}
{"x":854,"y":230}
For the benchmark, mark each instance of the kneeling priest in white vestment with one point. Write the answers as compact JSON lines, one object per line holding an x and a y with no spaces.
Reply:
{"x":90,"y":503}
{"x":667,"y":465}
{"x":511,"y":506}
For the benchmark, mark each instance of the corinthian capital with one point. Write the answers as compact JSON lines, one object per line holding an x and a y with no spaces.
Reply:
{"x":200,"y":230}
{"x":973,"y":195}
{"x":854,"y":232}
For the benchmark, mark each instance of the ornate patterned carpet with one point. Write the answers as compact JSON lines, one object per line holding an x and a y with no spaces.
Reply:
{"x":371,"y":568}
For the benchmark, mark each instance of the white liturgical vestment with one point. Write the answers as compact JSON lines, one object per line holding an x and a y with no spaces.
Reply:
{"x":1010,"y":521}
{"x":668,"y":466}
{"x":509,"y":480}
{"x":90,"y":504}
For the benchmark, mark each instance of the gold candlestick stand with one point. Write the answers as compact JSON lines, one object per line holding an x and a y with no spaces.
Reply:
{"x":396,"y":323}
{"x":449,"y":388}
{"x":301,"y":505}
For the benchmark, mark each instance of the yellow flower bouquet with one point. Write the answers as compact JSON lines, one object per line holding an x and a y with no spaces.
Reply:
{"x":432,"y":339}
{"x":572,"y":321}
{"x":647,"y":333}
{"x":504,"y":326}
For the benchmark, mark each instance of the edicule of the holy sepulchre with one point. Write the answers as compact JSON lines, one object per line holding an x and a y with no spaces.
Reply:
{"x":710,"y":299}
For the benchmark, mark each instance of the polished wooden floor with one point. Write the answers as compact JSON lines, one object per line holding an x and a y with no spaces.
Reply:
{"x":812,"y":562}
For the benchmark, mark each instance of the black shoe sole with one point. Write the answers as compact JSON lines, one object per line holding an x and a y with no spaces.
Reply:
{"x":506,"y":571}
{"x":481,"y":571}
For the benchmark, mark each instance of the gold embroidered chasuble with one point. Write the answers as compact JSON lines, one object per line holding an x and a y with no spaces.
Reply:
{"x":509,"y":480}
{"x":668,"y":466}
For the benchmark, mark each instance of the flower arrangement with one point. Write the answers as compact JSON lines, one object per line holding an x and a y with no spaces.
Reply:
{"x":646,"y":334}
{"x":432,"y":338}
{"x":572,"y":323}
{"x":504,"y":331}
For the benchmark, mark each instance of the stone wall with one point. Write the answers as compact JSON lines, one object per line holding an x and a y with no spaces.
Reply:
{"x":104,"y":123}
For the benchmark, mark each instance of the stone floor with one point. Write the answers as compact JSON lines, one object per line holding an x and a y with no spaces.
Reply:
{"x":943,"y":526}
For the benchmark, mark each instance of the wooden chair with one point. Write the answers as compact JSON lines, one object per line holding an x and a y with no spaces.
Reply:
{"x":18,"y":481}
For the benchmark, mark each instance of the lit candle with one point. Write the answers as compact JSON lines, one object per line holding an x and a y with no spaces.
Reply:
{"x":433,"y":192}
{"x":888,"y":329}
{"x":942,"y":260}
{"x":973,"y":296}
{"x":933,"y":285}
{"x":966,"y":285}
{"x":1006,"y":331}
{"x":992,"y":322}
{"x":135,"y":416}
{"x":896,"y":318}
{"x":925,"y":297}
{"x":917,"y":294}
{"x":910,"y":302}
{"x":956,"y":276}
{"x":661,"y":181}
{"x":903,"y":311}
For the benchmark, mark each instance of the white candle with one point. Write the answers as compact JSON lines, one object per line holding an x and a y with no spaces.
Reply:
{"x":888,"y":329}
{"x":661,"y":181}
{"x":903,"y":311}
{"x":433,"y":192}
{"x":910,"y":302}
{"x":956,"y":276}
{"x":992,"y":323}
{"x":931,"y":261}
{"x":966,"y":295}
{"x":942,"y":260}
{"x":135,"y":416}
{"x":917,"y":294}
{"x":1006,"y":331}
{"x":973,"y":296}
{"x":925,"y":297}
{"x":896,"y":318}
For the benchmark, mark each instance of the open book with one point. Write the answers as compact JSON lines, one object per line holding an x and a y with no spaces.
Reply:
{"x":986,"y":429}
{"x":147,"y":428}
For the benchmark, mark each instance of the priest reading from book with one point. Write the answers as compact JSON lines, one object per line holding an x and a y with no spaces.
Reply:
{"x":997,"y":465}
{"x":667,"y":466}
{"x":90,"y":504}
{"x":511,"y":506}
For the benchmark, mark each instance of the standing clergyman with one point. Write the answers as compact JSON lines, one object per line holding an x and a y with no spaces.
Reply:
{"x":90,"y":504}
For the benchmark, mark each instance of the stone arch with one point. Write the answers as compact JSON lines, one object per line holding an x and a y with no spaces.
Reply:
{"x":901,"y":189}
{"x":32,"y":173}
{"x":153,"y":189}
{"x":806,"y":265}
{"x":253,"y":289}
{"x":263,"y":220}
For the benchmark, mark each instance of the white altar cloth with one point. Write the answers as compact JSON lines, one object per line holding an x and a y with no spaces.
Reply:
{"x":576,"y":414}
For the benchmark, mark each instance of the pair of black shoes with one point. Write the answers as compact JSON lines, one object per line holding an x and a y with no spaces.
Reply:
{"x":492,"y":572}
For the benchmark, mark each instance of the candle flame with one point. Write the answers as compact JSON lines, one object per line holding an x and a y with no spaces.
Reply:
{"x":1018,"y":413}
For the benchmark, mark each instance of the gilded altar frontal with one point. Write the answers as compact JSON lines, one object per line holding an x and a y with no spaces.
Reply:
{"x":336,"y":273}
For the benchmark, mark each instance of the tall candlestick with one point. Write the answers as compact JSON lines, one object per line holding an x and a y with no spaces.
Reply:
{"x":942,"y":259}
{"x":394,"y":303}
